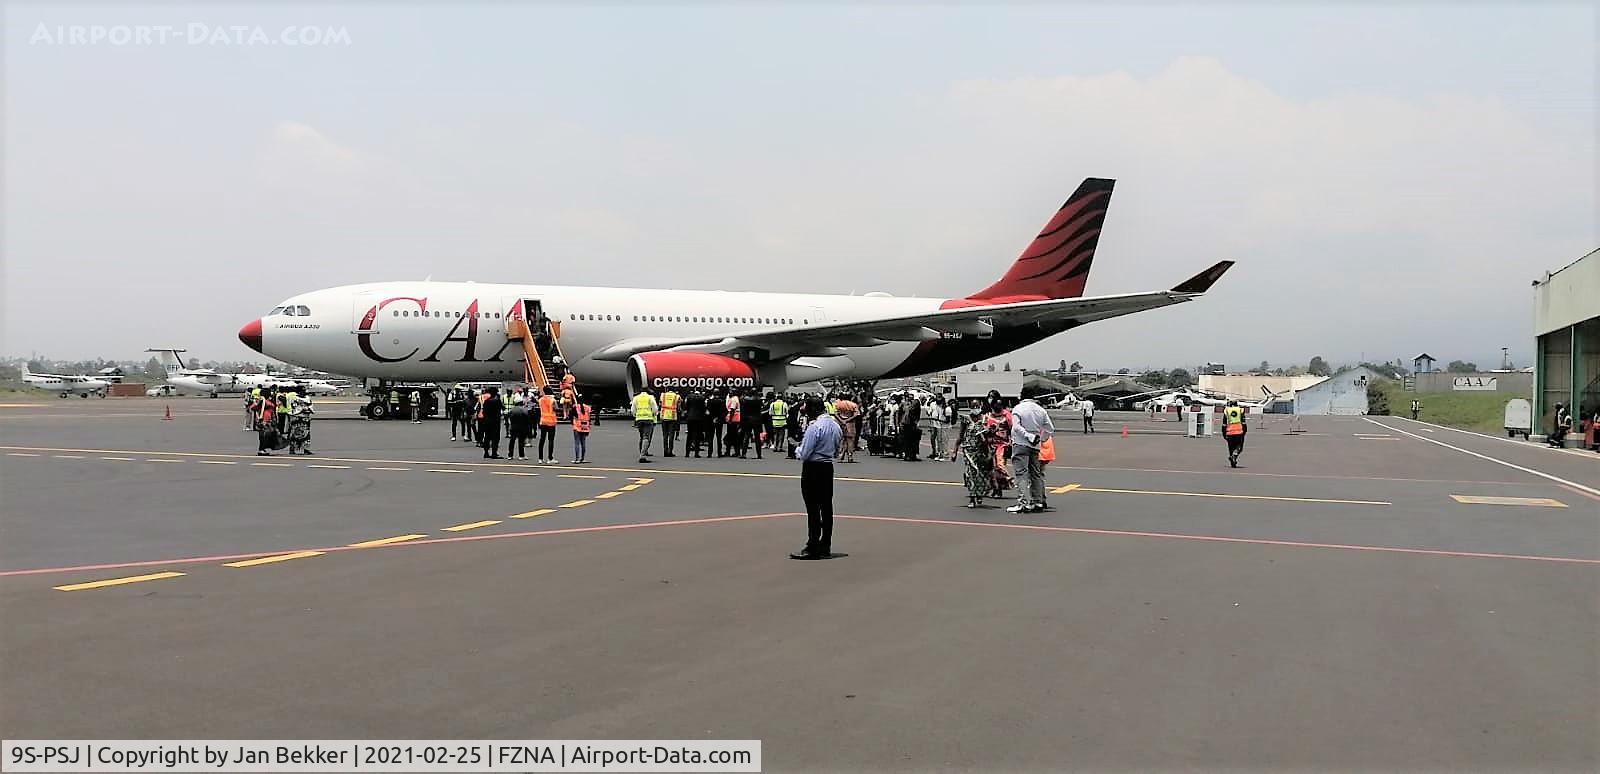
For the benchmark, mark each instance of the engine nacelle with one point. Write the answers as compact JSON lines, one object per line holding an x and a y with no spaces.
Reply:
{"x":688,"y":370}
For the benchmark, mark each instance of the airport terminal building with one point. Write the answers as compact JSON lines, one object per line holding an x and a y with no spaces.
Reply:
{"x":1566,"y":312}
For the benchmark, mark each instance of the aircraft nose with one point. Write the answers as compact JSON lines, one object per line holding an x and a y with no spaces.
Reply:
{"x":250,"y":334}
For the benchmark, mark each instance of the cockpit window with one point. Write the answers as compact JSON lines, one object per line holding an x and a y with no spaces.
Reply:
{"x":275,"y":310}
{"x":303,"y":311}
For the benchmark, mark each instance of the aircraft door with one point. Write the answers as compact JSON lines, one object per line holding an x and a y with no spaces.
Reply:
{"x":519,"y":308}
{"x":817,"y":315}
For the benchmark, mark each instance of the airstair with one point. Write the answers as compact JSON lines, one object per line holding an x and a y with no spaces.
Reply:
{"x":539,"y":353}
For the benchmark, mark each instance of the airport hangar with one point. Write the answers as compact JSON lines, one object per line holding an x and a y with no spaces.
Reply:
{"x":1566,"y":315}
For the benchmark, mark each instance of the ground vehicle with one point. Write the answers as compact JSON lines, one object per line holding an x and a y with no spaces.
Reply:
{"x":393,"y":400}
{"x":1519,"y":418}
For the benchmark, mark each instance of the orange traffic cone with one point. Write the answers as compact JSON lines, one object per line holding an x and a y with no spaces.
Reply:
{"x":168,"y":416}
{"x":1124,"y":431}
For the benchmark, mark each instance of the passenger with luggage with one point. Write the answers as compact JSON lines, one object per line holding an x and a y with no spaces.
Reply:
{"x":266,"y":424}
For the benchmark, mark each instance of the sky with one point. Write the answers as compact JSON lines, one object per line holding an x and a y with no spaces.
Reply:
{"x":1390,"y":179}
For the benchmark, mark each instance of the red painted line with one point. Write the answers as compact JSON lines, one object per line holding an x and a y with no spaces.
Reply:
{"x":1237,"y":473}
{"x":462,"y":539}
{"x":1217,"y":539}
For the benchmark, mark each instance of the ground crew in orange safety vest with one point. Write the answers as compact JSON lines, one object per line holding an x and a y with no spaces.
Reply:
{"x":669,"y":422}
{"x":547,"y":428}
{"x":581,"y":413}
{"x":1233,"y":430}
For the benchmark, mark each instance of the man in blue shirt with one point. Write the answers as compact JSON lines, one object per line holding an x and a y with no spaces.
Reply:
{"x":816,"y":453}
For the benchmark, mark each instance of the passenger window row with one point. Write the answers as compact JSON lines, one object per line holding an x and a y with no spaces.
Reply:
{"x":684,"y":319}
{"x":479,"y":315}
{"x":595,"y":317}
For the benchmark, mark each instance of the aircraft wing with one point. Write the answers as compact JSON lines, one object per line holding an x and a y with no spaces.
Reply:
{"x":824,"y":339}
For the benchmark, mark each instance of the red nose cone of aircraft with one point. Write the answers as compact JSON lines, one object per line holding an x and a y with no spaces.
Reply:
{"x":250,"y":334}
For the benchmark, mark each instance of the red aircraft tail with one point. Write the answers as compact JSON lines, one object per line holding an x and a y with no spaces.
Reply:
{"x":1056,"y":264}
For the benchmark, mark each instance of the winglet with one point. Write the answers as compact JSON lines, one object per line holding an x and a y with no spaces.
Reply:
{"x":1203,"y":281}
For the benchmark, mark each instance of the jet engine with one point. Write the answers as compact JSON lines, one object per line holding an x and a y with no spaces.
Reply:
{"x":688,"y":370}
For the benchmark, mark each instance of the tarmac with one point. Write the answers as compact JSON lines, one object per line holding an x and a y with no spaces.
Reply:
{"x":1362,"y":593}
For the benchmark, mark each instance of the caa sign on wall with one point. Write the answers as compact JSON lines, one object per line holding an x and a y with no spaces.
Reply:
{"x":1485,"y":383}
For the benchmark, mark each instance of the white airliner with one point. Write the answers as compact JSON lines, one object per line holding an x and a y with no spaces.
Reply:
{"x":64,"y":384}
{"x":638,"y":337}
{"x":206,"y":381}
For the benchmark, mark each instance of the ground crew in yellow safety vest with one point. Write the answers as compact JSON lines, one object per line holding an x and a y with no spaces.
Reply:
{"x":285,"y":402}
{"x":645,"y":410}
{"x":394,"y":402}
{"x":779,"y":411}
{"x":1233,"y":430}
{"x":669,"y":422}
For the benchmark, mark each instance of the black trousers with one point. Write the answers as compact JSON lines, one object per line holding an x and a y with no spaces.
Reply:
{"x":910,"y":439}
{"x":1235,"y":444}
{"x":816,"y":488}
{"x":669,"y":437}
{"x":698,"y":431}
{"x":489,"y":437}
{"x":547,"y":436}
{"x":716,"y":439}
{"x":516,"y":445}
{"x":461,"y":422}
{"x":750,"y":437}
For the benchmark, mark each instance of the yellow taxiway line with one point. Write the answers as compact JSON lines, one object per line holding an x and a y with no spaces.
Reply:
{"x":778,"y":476}
{"x":118,"y":581}
{"x":577,"y":503}
{"x":1537,"y":502}
{"x":386,"y":541}
{"x":273,"y":559}
{"x":472,"y":525}
{"x":532,"y":514}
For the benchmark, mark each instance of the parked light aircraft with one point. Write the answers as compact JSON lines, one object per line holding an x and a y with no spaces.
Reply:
{"x":64,"y":384}
{"x":644,"y":337}
{"x":206,"y":381}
